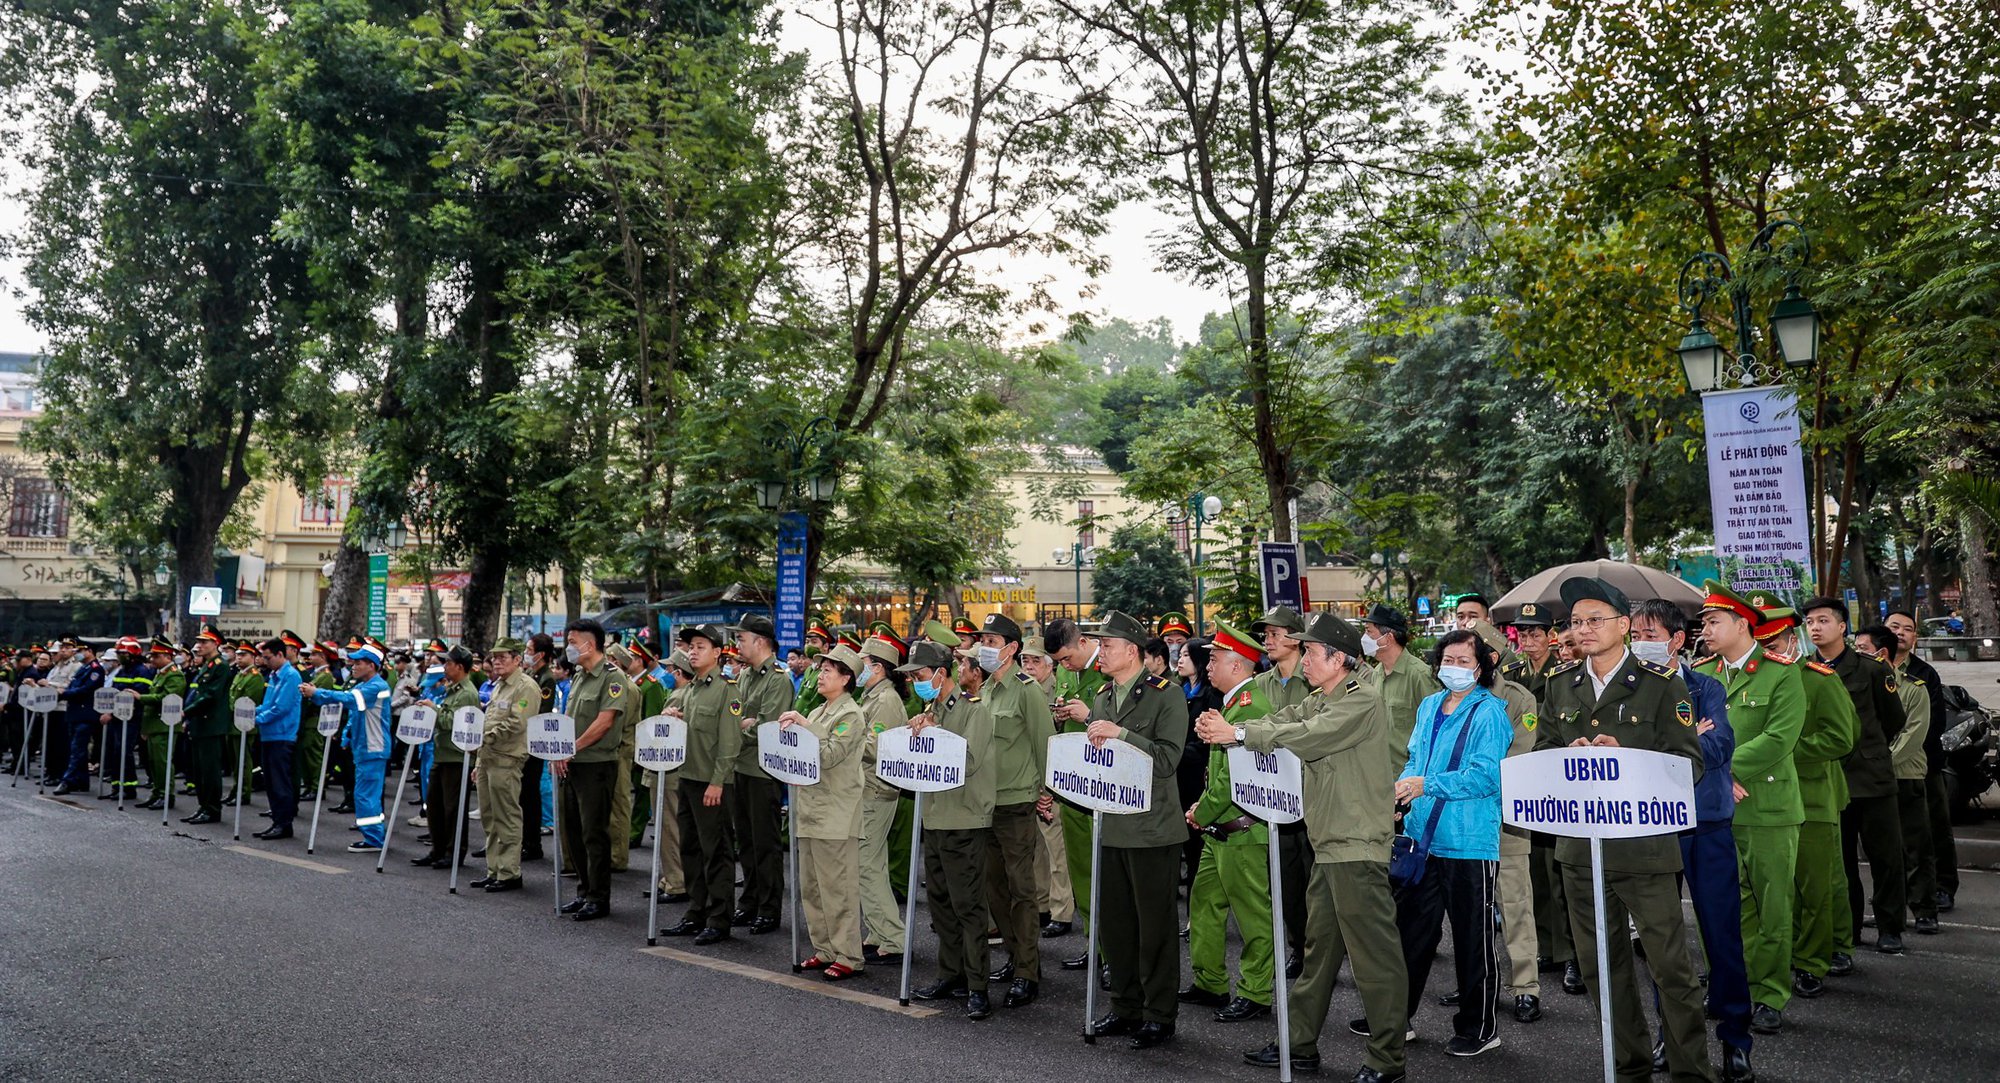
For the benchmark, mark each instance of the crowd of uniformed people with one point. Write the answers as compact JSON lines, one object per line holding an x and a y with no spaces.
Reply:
{"x":1812,"y":743}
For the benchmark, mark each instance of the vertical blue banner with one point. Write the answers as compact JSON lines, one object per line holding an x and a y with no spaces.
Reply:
{"x":791,"y":617}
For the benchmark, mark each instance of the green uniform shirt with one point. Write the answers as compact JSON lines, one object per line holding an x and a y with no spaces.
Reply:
{"x":514,"y":701}
{"x":1644,"y":705}
{"x":249,"y":685}
{"x":1767,"y":712}
{"x":766,"y":692}
{"x":1021,"y":729}
{"x":1404,"y":689}
{"x":1871,"y":684}
{"x":1343,"y":738}
{"x":832,"y":809}
{"x":1522,"y":671}
{"x":208,"y":709}
{"x":1907,"y":750}
{"x":884,"y":711}
{"x":1245,"y":704}
{"x":1281,"y":693}
{"x":1084,"y":686}
{"x":462,"y":694}
{"x":591,"y":693}
{"x":969,"y":807}
{"x":167,"y":682}
{"x":1151,"y":713}
{"x":1825,"y":739}
{"x":714,"y":714}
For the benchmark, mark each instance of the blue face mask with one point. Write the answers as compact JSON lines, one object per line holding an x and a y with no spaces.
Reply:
{"x":925,"y":690}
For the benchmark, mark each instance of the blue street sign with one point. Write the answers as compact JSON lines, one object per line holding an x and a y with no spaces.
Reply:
{"x":1282,"y":570}
{"x":1424,"y":606}
{"x":791,"y":617}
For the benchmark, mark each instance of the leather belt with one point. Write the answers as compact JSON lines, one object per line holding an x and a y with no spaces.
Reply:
{"x":1224,"y":830}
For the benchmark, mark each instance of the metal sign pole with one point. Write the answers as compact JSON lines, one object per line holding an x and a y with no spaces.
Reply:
{"x":1090,"y":948}
{"x":124,"y":758}
{"x":39,"y":786}
{"x":1280,"y":992}
{"x":458,"y":829}
{"x":325,"y":755}
{"x":1603,"y":955}
{"x":242,"y":784}
{"x":21,"y":753}
{"x":555,"y":800}
{"x":660,"y":806}
{"x":910,"y":894}
{"x":167,"y":804}
{"x":396,"y":809}
{"x":792,"y":877}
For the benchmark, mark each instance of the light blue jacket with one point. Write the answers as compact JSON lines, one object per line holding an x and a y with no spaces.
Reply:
{"x":366,"y":732}
{"x":1469,"y":826}
{"x":278,"y":715}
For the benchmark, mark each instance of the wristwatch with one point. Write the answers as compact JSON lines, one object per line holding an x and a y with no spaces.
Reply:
{"x":1239,"y":735}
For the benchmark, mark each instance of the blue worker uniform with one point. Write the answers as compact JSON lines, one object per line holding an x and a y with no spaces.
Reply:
{"x":277,"y":741}
{"x":366,"y":735}
{"x":81,"y":715}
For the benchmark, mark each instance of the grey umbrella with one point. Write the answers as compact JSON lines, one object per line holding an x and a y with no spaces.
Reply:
{"x":1637,"y":581}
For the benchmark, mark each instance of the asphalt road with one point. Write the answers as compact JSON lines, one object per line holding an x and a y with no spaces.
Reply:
{"x":137,"y":952}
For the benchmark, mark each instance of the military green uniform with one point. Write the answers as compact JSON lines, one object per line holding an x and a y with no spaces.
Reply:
{"x":1021,"y":730}
{"x":1643,"y":705}
{"x":713,"y":707}
{"x":881,"y":918}
{"x":1405,"y":686}
{"x":593,"y":775}
{"x":1514,"y":878}
{"x":247,"y":684}
{"x":1871,"y":820}
{"x":625,"y":811}
{"x":206,"y":714}
{"x":652,"y":701}
{"x":1140,"y":860}
{"x":312,"y":747}
{"x":1083,"y":686}
{"x":1344,"y":738}
{"x":1827,"y":736}
{"x":1234,"y":873}
{"x":756,"y":801}
{"x":829,"y":833}
{"x":448,"y":803}
{"x":1295,"y":851}
{"x":1913,"y":795}
{"x":159,"y":773}
{"x":503,"y":752}
{"x":1551,"y":908}
{"x":1766,"y":701}
{"x":955,"y":826}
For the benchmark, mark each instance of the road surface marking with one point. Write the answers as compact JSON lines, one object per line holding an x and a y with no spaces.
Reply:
{"x":287,"y":859}
{"x":794,"y":981}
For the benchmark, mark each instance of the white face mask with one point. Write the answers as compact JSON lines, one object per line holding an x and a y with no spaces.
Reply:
{"x":1655,"y":652}
{"x":1369,"y":645}
{"x":868,"y":673}
{"x":989,"y":659}
{"x":1458,"y":678}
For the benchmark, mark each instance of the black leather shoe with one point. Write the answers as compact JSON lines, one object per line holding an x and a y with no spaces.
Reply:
{"x":1527,"y":1008}
{"x":1294,"y":966}
{"x":1945,"y":901}
{"x":573,"y":906}
{"x":1546,"y":965}
{"x":481,"y":852}
{"x":1022,"y":993}
{"x":941,"y":989}
{"x":1371,"y":1075}
{"x":482,"y":882}
{"x":1054,"y":929}
{"x":66,"y":788}
{"x":870,"y":954}
{"x":760,"y":926}
{"x":1659,"y":1057}
{"x":1195,"y":994}
{"x":1572,"y":978}
{"x":711,"y":935}
{"x":513,"y":884}
{"x":741,"y":918}
{"x":667,"y":896}
{"x":1765,"y":1019}
{"x":683,"y":927}
{"x":977,"y":1006}
{"x":201,"y":818}
{"x":1449,"y":1000}
{"x":1240,"y":1009}
{"x":274,"y":833}
{"x":1807,"y":986}
{"x":425,"y":861}
{"x":1113,"y":1023}
{"x":593,"y":911}
{"x":342,"y":809}
{"x":158,"y":803}
{"x":1267,"y":1057}
{"x":1002,"y":974}
{"x":1736,"y":1065}
{"x":1077,"y":963}
{"x":1889,"y":944}
{"x":1842,"y":965}
{"x":1152,"y":1034}
{"x":1926,"y":926}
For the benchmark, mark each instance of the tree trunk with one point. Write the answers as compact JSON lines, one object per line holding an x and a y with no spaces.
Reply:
{"x":1271,"y":458}
{"x":484,"y":594}
{"x":1982,"y":613}
{"x":572,"y":587}
{"x":346,"y":610}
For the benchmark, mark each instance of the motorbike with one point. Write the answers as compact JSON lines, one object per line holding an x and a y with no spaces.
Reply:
{"x":1972,"y":753}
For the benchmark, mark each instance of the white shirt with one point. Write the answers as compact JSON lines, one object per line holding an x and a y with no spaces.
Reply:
{"x":1599,"y":685}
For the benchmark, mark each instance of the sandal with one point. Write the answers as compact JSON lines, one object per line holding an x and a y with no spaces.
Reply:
{"x":814,"y":963}
{"x":839,"y":972}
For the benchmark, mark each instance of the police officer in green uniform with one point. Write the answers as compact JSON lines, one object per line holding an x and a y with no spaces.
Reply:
{"x":600,"y":699}
{"x":624,"y":798}
{"x":168,"y":680}
{"x":206,"y":716}
{"x":1234,"y":874}
{"x":1766,"y":702}
{"x":1285,"y":685}
{"x":1021,"y":729}
{"x":756,"y":801}
{"x":1140,"y":853}
{"x":312,"y":750}
{"x":449,"y":805}
{"x":1405,"y":678}
{"x":1342,"y":733}
{"x":1610,"y":697}
{"x":713,"y":707}
{"x":1871,"y":821}
{"x":1077,"y":682}
{"x":955,"y":826}
{"x":882,"y":704}
{"x":248,"y":683}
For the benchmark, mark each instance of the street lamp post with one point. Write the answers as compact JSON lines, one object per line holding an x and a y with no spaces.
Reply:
{"x":1199,"y":508}
{"x":1076,"y":557}
{"x":118,"y":592}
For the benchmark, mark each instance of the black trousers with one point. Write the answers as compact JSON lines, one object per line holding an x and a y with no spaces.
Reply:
{"x":1295,"y":860}
{"x":1874,"y":824}
{"x":586,"y":826}
{"x":1944,"y":846}
{"x":1139,"y":925}
{"x":206,"y":753}
{"x":757,"y":815}
{"x":955,"y":878}
{"x":706,"y":861}
{"x":279,"y":786}
{"x":55,"y":737}
{"x":1459,"y":890}
{"x":531,"y":809}
{"x":447,"y":812}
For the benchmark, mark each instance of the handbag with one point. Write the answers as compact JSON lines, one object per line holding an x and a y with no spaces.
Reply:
{"x":1408,"y":854}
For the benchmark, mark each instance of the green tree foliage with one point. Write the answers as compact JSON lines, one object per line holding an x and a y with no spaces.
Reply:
{"x":1142,"y":572}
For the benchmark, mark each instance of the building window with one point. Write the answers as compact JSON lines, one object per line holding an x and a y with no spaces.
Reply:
{"x":328,"y":505}
{"x":40,"y":510}
{"x":454,"y":625}
{"x":1086,"y":534}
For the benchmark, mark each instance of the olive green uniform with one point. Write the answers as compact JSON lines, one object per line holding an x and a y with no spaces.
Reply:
{"x":1514,"y":879}
{"x":246,"y":684}
{"x":1234,"y":874}
{"x":312,"y":747}
{"x":1643,"y":705}
{"x":1140,"y":861}
{"x":1766,"y":700}
{"x":206,"y":714}
{"x":756,"y":801}
{"x":1083,"y":686}
{"x":1021,"y":729}
{"x":1871,"y":820}
{"x":881,"y":917}
{"x":1405,"y":686}
{"x":594,"y":774}
{"x":159,"y":773}
{"x":1827,"y":736}
{"x":667,"y":811}
{"x":1913,"y":795}
{"x":448,"y":802}
{"x":1343,"y":736}
{"x":713,"y":710}
{"x":955,"y":827}
{"x":503,"y":752}
{"x":829,"y":833}
{"x":626,"y":811}
{"x":1551,"y":909}
{"x":1295,"y":851}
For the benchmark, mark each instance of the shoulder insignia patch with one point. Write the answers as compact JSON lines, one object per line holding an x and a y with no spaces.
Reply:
{"x":616,"y":690}
{"x":1656,"y":669}
{"x":736,"y":707}
{"x":1704,"y":660}
{"x":840,"y":728}
{"x":521,"y":706}
{"x":1529,"y":720}
{"x":951,"y":701}
{"x":729,"y":678}
{"x":1023,"y":677}
{"x":1684,"y":712}
{"x":1566,"y":667}
{"x":972,"y":697}
{"x":1515,"y":666}
{"x":1353,"y":685}
{"x":1820,"y":667}
{"x":1889,"y":682}
{"x":1781,"y":659}
{"x":1156,"y":682}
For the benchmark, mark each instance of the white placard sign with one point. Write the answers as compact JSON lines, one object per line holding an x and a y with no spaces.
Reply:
{"x":552,"y":736}
{"x":329,"y":718}
{"x":244,"y":714}
{"x":417,"y":725}
{"x":921,"y":762}
{"x":1269,"y":786}
{"x":468,"y":728}
{"x":788,"y":754}
{"x":171,"y":707}
{"x":1757,"y":487}
{"x":104,"y":700}
{"x":1117,"y":778}
{"x":1595,"y":792}
{"x":124,"y":705}
{"x":5,"y":691}
{"x":660,"y":743}
{"x":41,"y":699}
